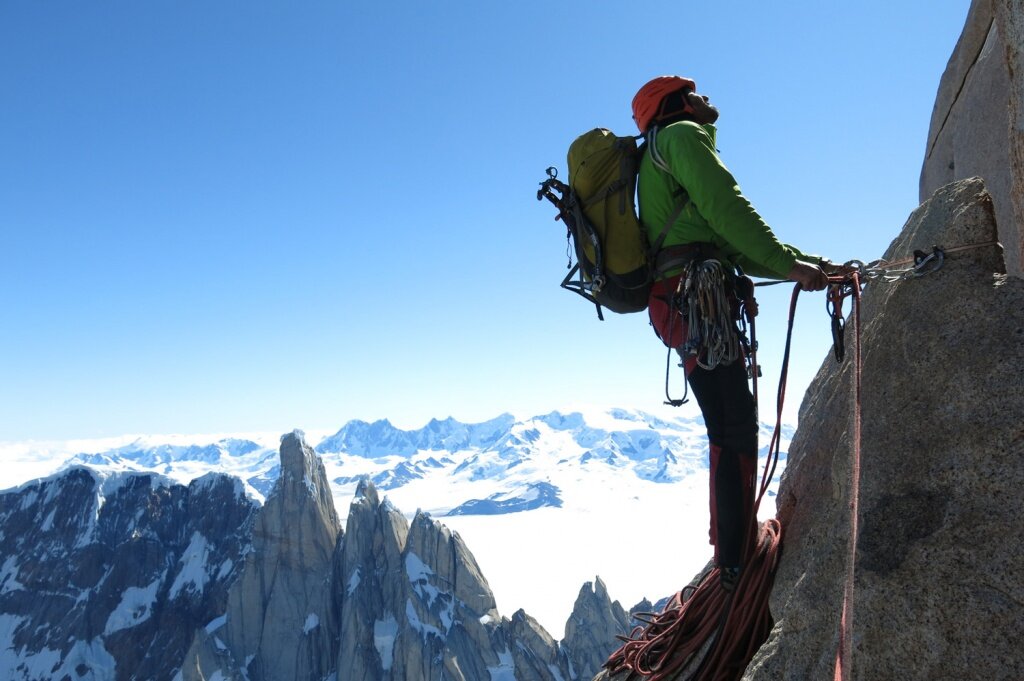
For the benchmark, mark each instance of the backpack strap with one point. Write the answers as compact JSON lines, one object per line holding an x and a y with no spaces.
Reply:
{"x":660,"y":241}
{"x":682,"y":196}
{"x":659,"y":161}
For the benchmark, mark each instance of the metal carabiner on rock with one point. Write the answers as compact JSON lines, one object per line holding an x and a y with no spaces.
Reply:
{"x":926,"y":263}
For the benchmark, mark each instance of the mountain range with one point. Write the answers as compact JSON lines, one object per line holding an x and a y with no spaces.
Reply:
{"x":109,"y":570}
{"x":520,"y":492}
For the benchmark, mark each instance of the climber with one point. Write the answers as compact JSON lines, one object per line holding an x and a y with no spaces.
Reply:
{"x":716,"y":235}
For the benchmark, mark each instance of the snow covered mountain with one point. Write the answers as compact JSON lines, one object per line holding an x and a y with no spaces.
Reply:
{"x":100,"y":571}
{"x":131,"y":576}
{"x":524,"y":494}
{"x":521,"y":465}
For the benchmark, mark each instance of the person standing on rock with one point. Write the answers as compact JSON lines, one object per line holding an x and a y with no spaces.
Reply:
{"x":710,"y":233}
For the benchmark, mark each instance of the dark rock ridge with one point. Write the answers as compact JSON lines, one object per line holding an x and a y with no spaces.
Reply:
{"x":535,"y":495}
{"x":107,"y":578}
{"x":133,"y":577}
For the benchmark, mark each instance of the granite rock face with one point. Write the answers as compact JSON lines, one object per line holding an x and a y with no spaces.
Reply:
{"x":938,"y":572}
{"x":386,"y":600}
{"x":595,"y":621}
{"x":280,"y":622}
{"x":414,"y":605}
{"x":977,"y":125}
{"x":108,"y":577}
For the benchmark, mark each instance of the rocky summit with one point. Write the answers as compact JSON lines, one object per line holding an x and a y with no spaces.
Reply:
{"x":132,"y":576}
{"x":279,"y":622}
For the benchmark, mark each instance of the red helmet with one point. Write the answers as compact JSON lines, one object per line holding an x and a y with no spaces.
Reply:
{"x":647,"y":100}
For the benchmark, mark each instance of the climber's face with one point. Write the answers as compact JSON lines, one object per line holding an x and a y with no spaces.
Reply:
{"x":703,"y":110}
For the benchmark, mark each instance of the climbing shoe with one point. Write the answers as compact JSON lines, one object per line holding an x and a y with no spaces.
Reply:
{"x":729,"y":577}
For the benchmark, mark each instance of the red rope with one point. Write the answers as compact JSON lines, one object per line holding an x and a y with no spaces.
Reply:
{"x":706,"y":631}
{"x":844,"y":650}
{"x":776,"y":441}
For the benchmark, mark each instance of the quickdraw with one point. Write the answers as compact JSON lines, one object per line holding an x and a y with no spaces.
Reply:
{"x":837,"y":293}
{"x":922,"y":264}
{"x":716,"y":330}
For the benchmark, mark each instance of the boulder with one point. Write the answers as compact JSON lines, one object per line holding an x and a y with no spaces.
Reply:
{"x":977,"y":124}
{"x":938,"y":571}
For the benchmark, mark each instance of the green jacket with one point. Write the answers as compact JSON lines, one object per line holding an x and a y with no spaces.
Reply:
{"x":717,"y":212}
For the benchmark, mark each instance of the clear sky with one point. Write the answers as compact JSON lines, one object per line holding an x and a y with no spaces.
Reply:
{"x":231,"y":216}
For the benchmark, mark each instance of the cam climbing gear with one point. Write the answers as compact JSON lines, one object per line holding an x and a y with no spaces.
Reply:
{"x":838,"y":291}
{"x":712,"y":335}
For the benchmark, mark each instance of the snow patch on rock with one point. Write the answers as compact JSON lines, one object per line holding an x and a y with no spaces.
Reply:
{"x":384,"y":633}
{"x":193,"y":574}
{"x":135,"y":607}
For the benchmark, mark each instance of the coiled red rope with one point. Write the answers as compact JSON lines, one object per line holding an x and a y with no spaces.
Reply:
{"x":706,"y":633}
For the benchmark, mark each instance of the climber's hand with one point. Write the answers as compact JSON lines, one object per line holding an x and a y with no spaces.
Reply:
{"x":810,"y":277}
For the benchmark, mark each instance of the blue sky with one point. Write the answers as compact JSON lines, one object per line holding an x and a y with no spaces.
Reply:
{"x":228,"y":216}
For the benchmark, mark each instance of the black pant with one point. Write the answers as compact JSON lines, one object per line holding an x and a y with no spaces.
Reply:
{"x":731,"y":420}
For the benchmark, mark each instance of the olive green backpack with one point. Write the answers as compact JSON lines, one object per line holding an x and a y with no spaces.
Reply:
{"x":614,"y":261}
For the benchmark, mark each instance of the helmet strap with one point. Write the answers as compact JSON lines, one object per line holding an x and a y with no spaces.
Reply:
{"x":673,"y":105}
